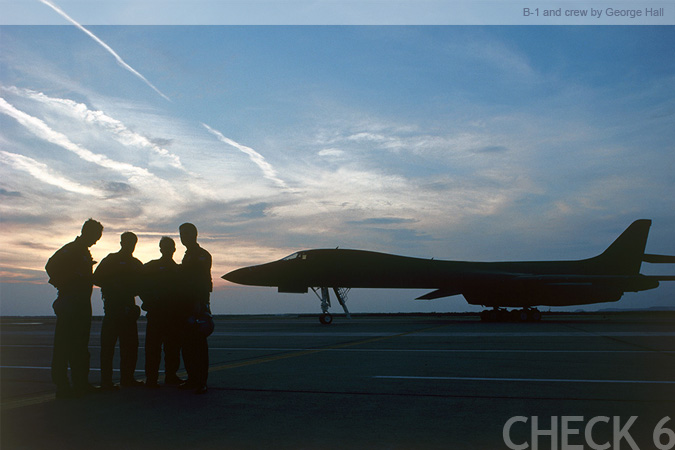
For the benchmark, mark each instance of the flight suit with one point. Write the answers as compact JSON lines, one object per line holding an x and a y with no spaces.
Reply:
{"x":70,"y":271}
{"x":195,"y":275}
{"x":161,"y":300}
{"x":118,"y":275}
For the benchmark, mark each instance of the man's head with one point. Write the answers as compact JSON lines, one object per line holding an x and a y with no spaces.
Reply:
{"x":167,"y":247}
{"x":92,"y":231}
{"x":188,"y":234}
{"x":128,"y":242}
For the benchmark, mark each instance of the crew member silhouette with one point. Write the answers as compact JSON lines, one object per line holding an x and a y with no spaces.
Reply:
{"x":70,"y":271}
{"x":195,"y":275}
{"x":161,"y":300}
{"x":118,"y":275}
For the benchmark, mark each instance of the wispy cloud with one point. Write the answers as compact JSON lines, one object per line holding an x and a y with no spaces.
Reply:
{"x":120,"y":61}
{"x":42,"y":130}
{"x":505,"y":59}
{"x":43,"y":173}
{"x":118,"y":129}
{"x":257,"y":158}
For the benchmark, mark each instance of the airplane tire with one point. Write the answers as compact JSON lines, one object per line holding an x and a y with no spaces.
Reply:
{"x":326,"y":319}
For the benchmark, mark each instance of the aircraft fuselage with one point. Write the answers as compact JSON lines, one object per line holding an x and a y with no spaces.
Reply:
{"x":524,"y":284}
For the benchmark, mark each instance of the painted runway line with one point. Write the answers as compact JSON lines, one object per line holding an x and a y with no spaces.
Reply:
{"x":434,"y":334}
{"x":527,"y":380}
{"x":386,"y":350}
{"x":412,"y":350}
{"x":448,"y":334}
{"x":91,"y":369}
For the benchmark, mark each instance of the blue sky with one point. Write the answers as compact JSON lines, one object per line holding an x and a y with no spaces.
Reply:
{"x":453,"y":142}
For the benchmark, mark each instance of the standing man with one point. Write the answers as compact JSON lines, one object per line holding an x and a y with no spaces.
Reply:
{"x":70,"y":271}
{"x":119,"y":276}
{"x":161,"y":300}
{"x":195,"y":273}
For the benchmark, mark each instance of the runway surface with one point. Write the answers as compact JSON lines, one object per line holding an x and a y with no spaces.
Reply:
{"x":389,"y":382}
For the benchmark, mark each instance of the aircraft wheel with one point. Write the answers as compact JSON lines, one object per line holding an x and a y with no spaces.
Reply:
{"x":536,"y":316}
{"x":326,"y":319}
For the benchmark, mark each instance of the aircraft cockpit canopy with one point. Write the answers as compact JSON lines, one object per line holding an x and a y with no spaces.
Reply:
{"x":296,"y":255}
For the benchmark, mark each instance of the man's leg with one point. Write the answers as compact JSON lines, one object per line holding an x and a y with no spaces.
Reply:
{"x":129,"y":352}
{"x":60,"y":357}
{"x":79,"y":361}
{"x":153,"y":350}
{"x":108,"y":340}
{"x":171,"y":339}
{"x":201,"y":363}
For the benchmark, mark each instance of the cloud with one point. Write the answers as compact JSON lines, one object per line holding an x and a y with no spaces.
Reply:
{"x":257,"y":158}
{"x":382,"y":221}
{"x":417,"y":140}
{"x":331,"y":153}
{"x":42,"y":173}
{"x":43,"y":131}
{"x":502,"y":56}
{"x":6,"y":193}
{"x":120,"y":61}
{"x":255,"y":211}
{"x":117,"y":189}
{"x":117,"y":128}
{"x":493,"y":149}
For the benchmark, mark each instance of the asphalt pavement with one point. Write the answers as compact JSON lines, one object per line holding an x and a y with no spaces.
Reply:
{"x":375,"y":382}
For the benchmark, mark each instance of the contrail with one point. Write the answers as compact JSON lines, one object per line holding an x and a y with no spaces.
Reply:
{"x":137,"y":175}
{"x":43,"y":173}
{"x":120,"y":61}
{"x":120,"y":132}
{"x":257,"y":158}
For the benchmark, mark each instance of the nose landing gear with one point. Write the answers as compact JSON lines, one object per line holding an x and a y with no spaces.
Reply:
{"x":326,"y":318}
{"x":341,"y":293}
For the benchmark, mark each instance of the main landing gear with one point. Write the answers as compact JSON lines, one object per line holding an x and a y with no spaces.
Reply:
{"x":515,"y":315}
{"x":341,"y":293}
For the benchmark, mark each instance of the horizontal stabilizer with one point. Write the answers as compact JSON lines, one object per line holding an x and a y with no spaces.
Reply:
{"x":439,"y":293}
{"x":659,"y":259}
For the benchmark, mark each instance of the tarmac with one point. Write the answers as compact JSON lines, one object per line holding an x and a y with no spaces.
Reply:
{"x":372,"y":382}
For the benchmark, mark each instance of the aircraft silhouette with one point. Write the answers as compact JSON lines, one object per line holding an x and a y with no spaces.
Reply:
{"x":520,"y":284}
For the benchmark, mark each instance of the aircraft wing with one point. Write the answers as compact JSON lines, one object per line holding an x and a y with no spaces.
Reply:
{"x":536,"y":282}
{"x":439,"y":293}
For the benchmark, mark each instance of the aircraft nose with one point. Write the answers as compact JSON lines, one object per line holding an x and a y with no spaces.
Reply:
{"x":261,"y":275}
{"x":240,"y":276}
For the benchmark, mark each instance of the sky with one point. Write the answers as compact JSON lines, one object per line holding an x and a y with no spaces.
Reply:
{"x":480,"y":142}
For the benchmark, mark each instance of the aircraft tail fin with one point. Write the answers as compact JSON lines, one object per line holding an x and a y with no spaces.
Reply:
{"x":625,"y":255}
